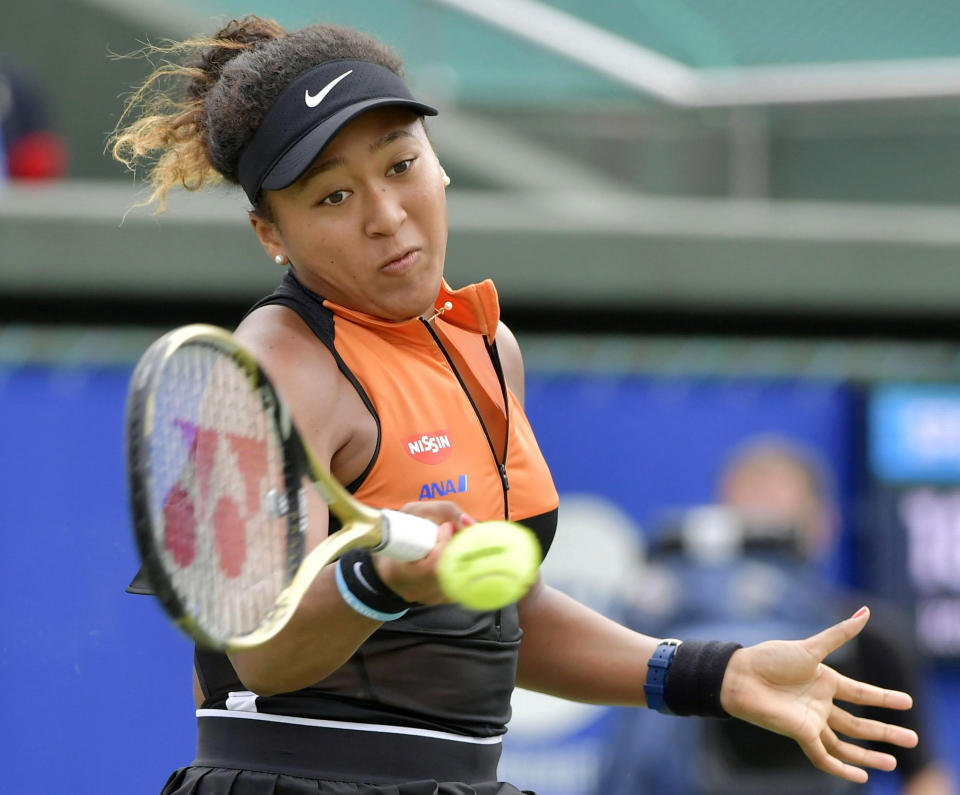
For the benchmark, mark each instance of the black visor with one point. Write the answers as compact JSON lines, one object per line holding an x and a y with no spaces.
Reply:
{"x":309,"y":113}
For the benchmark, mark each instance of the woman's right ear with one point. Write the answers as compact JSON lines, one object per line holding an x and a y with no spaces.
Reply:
{"x":268,"y":236}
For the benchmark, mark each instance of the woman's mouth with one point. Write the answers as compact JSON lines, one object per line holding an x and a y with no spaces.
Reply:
{"x":402,"y":264}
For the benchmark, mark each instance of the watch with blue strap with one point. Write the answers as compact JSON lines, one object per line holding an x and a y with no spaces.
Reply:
{"x":657,"y":669}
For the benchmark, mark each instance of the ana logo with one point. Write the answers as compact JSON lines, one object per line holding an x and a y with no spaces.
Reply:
{"x":429,"y":448}
{"x":443,"y":488}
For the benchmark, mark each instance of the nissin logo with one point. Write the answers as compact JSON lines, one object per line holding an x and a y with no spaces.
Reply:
{"x":429,"y":448}
{"x":443,"y":488}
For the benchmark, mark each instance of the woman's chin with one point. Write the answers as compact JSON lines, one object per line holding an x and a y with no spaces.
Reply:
{"x":401,"y":310}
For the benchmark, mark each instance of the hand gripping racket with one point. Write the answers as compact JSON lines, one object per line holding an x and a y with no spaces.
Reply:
{"x":216,"y":473}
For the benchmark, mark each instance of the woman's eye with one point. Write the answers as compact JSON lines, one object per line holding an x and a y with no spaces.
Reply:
{"x":402,"y":167}
{"x":335,"y":198}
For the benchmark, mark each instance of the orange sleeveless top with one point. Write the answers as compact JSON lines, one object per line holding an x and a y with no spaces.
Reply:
{"x":449,"y":426}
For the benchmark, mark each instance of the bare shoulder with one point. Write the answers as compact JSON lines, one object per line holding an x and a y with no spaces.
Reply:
{"x":304,"y":372}
{"x":287,"y":349}
{"x":510,"y":359}
{"x":275,"y":333}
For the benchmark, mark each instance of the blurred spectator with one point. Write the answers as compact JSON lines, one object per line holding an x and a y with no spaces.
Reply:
{"x":33,"y":149}
{"x":749,"y":569}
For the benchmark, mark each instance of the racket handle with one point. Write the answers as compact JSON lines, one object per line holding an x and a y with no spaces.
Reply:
{"x":406,"y":537}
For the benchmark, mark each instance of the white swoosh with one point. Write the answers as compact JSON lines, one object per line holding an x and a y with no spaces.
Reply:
{"x":359,"y":575}
{"x":313,"y":100}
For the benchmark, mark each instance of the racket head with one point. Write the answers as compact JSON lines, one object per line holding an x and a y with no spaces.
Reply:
{"x":215,"y":469}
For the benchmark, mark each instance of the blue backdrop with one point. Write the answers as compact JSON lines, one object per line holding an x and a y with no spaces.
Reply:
{"x":97,"y":683}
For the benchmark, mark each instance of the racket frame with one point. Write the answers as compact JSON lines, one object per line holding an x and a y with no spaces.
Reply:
{"x":362,"y":526}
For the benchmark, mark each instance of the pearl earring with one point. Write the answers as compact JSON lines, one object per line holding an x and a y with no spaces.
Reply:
{"x":280,"y":259}
{"x":446,"y":179}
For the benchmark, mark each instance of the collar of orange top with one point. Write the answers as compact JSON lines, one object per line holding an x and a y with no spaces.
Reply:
{"x":474,"y":308}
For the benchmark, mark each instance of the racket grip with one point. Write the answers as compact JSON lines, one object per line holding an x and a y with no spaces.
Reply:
{"x":405,"y":536}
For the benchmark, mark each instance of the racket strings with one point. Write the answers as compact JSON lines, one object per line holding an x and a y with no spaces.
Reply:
{"x":214,"y":462}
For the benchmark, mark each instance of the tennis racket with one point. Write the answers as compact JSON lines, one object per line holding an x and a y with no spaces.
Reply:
{"x":217,"y":474}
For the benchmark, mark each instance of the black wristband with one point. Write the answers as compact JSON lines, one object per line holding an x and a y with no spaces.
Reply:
{"x":696,"y":674}
{"x":361,"y":578}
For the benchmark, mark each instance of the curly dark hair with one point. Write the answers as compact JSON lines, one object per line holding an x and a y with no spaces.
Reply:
{"x":192,"y":120}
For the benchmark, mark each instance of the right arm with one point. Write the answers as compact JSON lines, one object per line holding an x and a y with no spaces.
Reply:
{"x":324,"y":631}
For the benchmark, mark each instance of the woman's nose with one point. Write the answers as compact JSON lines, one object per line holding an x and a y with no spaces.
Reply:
{"x":384,"y":213}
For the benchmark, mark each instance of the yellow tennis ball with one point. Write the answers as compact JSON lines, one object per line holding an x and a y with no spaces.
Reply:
{"x":489,"y":565}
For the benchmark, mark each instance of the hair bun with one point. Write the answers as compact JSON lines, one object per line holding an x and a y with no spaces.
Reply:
{"x":196,"y":139}
{"x":236,"y":37}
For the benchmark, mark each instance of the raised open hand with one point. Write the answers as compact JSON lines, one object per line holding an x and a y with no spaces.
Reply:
{"x":784,"y":686}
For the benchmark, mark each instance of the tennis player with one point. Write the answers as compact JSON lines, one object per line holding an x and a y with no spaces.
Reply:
{"x":411,"y":392}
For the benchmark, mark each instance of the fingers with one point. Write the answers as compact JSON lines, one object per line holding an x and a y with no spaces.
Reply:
{"x":832,"y":638}
{"x":445,"y":532}
{"x":873,"y":730}
{"x":821,"y":758}
{"x":416,"y":581}
{"x":440,"y":511}
{"x":870,"y":695}
{"x":840,"y":757}
{"x":856,"y":754}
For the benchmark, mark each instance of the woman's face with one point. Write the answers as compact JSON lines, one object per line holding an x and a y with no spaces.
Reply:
{"x":366,"y":225}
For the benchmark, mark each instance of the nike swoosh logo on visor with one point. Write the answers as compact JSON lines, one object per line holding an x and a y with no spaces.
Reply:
{"x":313,"y":100}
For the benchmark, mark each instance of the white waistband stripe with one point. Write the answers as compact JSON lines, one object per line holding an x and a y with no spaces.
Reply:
{"x":380,"y":728}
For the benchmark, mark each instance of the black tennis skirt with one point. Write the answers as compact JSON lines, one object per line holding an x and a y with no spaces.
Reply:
{"x":256,"y":754}
{"x":225,"y":781}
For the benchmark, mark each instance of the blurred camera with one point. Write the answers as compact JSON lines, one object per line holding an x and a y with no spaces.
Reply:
{"x":716,"y":534}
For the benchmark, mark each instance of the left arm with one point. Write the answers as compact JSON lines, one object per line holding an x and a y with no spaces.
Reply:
{"x":568,"y":650}
{"x":573,"y":652}
{"x":510,"y":360}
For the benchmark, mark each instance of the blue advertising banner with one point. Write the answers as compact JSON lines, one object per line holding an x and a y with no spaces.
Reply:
{"x":99,"y":679}
{"x":914,"y":433}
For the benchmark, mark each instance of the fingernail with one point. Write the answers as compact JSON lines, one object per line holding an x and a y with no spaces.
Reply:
{"x":466,"y":520}
{"x":860,"y":612}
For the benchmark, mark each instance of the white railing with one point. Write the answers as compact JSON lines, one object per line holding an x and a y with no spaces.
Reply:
{"x":654,"y":74}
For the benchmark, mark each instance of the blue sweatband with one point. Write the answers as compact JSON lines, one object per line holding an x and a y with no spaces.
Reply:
{"x":362,"y":589}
